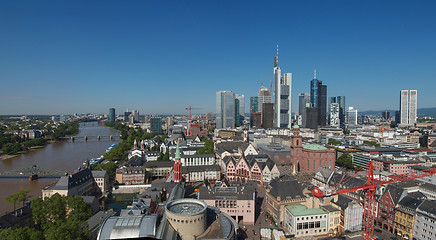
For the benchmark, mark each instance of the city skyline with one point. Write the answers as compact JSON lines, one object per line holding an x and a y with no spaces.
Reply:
{"x":160,"y":57}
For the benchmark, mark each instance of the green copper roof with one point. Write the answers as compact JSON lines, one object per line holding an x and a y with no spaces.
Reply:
{"x":314,"y":147}
{"x":301,"y":210}
{"x":177,"y":152}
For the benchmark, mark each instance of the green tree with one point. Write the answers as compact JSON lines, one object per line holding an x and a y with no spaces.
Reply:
{"x":109,"y":167}
{"x":393,"y":124}
{"x":11,"y":148}
{"x":22,"y":233}
{"x":20,"y":196}
{"x":208,"y":146}
{"x":345,"y":160}
{"x":334,"y":142}
{"x":62,"y":217}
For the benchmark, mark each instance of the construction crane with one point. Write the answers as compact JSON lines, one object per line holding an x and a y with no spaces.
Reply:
{"x":369,"y":189}
{"x":188,"y":131}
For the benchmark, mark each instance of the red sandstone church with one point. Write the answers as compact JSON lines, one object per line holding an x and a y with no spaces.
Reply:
{"x":308,"y":157}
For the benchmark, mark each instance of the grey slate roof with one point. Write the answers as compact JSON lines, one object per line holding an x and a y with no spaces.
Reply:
{"x":231,"y":147}
{"x":342,"y":201}
{"x":262,"y":161}
{"x":158,"y":164}
{"x":330,"y":208}
{"x":99,"y":174}
{"x":412,"y":201}
{"x":238,"y":190}
{"x":395,"y":192}
{"x":428,"y":206}
{"x":70,"y":181}
{"x":324,"y":171}
{"x":352,"y":182}
{"x":286,"y":187}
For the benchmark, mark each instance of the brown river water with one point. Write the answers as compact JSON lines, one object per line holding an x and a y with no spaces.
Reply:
{"x":64,"y":155}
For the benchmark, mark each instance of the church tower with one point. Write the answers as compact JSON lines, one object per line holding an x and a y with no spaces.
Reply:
{"x":177,"y":166}
{"x":296,"y":148}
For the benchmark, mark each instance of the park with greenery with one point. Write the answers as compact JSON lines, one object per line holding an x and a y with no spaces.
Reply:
{"x":58,"y":217}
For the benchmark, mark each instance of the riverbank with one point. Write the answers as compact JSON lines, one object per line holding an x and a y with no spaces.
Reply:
{"x":65,"y":156}
{"x":6,"y":156}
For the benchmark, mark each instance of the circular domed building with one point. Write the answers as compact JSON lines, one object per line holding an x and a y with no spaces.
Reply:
{"x":187,"y":217}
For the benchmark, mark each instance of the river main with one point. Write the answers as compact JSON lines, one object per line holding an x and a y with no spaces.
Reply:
{"x":66,"y":156}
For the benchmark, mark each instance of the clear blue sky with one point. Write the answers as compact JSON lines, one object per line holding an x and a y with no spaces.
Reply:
{"x":59,"y":57}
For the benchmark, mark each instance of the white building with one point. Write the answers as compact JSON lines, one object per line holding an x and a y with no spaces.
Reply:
{"x":302,"y":222}
{"x":408,"y":107}
{"x":334,"y":114}
{"x":198,"y":159}
{"x":282,"y":96}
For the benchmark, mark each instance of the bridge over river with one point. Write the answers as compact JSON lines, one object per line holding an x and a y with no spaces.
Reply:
{"x":32,"y":173}
{"x":99,"y":138}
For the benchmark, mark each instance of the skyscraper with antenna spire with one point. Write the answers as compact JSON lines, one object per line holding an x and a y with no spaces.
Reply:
{"x":282,"y":96}
{"x":318,"y":99}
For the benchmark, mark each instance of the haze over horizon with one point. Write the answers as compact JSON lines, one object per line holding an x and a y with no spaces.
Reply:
{"x":162,"y":56}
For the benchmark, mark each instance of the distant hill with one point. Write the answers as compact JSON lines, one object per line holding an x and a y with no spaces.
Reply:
{"x":421,"y":112}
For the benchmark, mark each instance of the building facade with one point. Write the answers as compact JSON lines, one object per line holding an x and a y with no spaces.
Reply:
{"x":282,"y":96}
{"x":408,"y":107}
{"x":237,"y":201}
{"x":225,"y":109}
{"x":131,"y":175}
{"x":304,"y":222}
{"x":425,"y":221}
{"x":309,"y":157}
{"x":111,"y":114}
{"x":156,"y":125}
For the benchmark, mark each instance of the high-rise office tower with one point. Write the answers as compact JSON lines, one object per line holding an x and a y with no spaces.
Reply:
{"x":334,"y":115}
{"x":135,"y":114}
{"x":264,"y":96}
{"x":225,"y":109}
{"x":351,"y":116}
{"x":318,"y":98}
{"x":303,"y":99}
{"x":386,"y":115}
{"x":126,"y":115}
{"x":268,"y":115}
{"x":111,"y":114}
{"x":237,"y":118}
{"x":341,"y":101}
{"x":408,"y":107}
{"x":156,"y":125}
{"x":282,"y":96}
{"x":241,"y":98}
{"x":254,"y":104}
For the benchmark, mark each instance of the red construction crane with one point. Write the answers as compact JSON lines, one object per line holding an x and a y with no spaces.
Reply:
{"x":369,"y":188}
{"x":188,"y":131}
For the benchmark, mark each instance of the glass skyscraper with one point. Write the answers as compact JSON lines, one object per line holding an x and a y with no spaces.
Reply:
{"x":225,"y":109}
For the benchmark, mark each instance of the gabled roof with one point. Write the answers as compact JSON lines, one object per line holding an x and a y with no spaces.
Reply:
{"x":395,"y":192}
{"x":228,"y":159}
{"x":262,"y":161}
{"x":286,"y":187}
{"x":412,"y":200}
{"x":324,"y":171}
{"x":231,"y":147}
{"x":352,"y":182}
